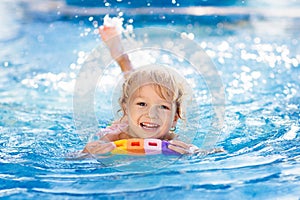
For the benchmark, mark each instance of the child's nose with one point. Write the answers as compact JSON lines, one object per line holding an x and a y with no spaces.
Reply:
{"x":153,"y":112}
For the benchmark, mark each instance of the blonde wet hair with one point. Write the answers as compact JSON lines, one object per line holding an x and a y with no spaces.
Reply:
{"x":167,"y":83}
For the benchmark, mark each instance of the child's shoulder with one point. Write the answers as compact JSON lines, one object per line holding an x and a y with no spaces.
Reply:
{"x":114,"y":131}
{"x":118,"y":126}
{"x":170,"y":136}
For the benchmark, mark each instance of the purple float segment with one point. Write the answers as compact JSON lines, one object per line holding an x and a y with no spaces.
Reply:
{"x":152,"y":146}
{"x":166,"y":150}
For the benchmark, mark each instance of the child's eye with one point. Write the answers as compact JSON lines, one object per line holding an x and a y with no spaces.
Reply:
{"x":164,"y":107}
{"x":141,"y":104}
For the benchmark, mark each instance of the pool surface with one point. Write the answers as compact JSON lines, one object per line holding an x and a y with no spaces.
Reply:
{"x":257,"y":56}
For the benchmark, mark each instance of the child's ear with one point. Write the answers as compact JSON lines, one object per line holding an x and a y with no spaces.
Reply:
{"x":176,"y":117}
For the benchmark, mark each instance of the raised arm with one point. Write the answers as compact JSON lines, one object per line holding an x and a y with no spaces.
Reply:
{"x":112,"y":39}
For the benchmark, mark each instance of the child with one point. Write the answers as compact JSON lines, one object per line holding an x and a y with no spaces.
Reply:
{"x":151,"y":101}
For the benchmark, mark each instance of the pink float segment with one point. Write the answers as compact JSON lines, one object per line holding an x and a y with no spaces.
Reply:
{"x":138,"y":146}
{"x":153,"y":146}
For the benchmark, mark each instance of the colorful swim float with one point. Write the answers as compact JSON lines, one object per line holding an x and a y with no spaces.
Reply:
{"x":143,"y":147}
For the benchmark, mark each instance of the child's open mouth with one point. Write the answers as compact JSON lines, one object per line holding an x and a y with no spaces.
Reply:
{"x":149,"y":126}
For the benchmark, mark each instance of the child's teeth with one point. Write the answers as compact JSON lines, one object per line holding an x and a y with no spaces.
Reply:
{"x":150,"y":125}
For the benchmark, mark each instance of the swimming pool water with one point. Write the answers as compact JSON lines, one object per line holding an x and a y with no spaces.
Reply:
{"x":258,"y":59}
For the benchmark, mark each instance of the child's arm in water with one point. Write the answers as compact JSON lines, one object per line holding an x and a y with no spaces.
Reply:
{"x":112,"y":39}
{"x":104,"y":144}
{"x":99,"y":147}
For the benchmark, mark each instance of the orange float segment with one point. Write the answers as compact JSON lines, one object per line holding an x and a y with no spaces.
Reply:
{"x":121,"y":147}
{"x":135,"y":146}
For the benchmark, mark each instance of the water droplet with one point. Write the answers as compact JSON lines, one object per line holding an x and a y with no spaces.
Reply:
{"x":257,"y":40}
{"x":256,"y":74}
{"x":5,"y":64}
{"x":130,"y":21}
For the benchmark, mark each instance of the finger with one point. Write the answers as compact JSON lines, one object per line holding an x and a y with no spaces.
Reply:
{"x":105,"y":148}
{"x":89,"y":147}
{"x":216,"y":150}
{"x":107,"y":32}
{"x":104,"y":28}
{"x":178,"y":149}
{"x":100,"y":31}
{"x":180,"y":144}
{"x":98,"y":147}
{"x":108,"y":29}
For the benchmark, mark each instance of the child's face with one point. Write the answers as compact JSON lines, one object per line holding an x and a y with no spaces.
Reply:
{"x":149,"y":115}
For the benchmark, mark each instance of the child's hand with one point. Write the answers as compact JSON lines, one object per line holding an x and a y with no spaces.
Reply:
{"x":99,"y":147}
{"x":182,"y":147}
{"x":107,"y":32}
{"x":112,"y":38}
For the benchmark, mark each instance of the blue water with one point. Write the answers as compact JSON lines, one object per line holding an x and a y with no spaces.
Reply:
{"x":258,"y":58}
